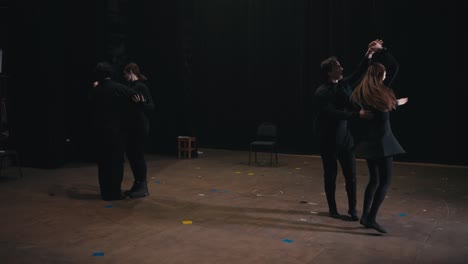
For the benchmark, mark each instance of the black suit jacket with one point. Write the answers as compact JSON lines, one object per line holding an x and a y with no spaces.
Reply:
{"x":109,"y":102}
{"x":333,"y":108}
{"x":138,"y":116}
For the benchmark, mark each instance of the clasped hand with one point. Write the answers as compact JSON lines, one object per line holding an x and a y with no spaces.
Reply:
{"x":138,"y":98}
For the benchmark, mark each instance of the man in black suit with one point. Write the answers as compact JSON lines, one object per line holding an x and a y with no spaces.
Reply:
{"x":109,"y":101}
{"x":334,"y":108}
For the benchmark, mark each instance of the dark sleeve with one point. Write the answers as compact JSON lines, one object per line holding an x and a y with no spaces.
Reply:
{"x":124,"y":91}
{"x":354,"y":78}
{"x":325,"y":106}
{"x":391,"y":65}
{"x":148,"y":105}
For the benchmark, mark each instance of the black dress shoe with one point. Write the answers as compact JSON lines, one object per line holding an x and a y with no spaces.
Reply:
{"x":364,"y":222}
{"x":134,"y":187}
{"x":139,"y":190}
{"x":139,"y":194}
{"x":335,"y":215}
{"x":377,"y":227}
{"x":354,"y":217}
{"x":373,"y":225}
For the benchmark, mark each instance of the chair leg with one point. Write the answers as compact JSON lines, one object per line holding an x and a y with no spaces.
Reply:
{"x":250,"y":154}
{"x":178,"y":148}
{"x":256,"y":157}
{"x":195,"y":148}
{"x":276,"y":155}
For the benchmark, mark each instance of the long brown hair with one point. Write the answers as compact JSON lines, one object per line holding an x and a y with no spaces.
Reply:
{"x":372,"y":92}
{"x":133,"y":67}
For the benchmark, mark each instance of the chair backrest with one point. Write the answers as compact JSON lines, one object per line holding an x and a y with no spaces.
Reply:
{"x":4,"y":136}
{"x":267,"y":131}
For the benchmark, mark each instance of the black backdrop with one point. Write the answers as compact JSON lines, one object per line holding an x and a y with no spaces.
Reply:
{"x":250,"y":61}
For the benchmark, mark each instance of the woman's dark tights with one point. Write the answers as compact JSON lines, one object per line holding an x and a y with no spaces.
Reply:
{"x":380,"y":176}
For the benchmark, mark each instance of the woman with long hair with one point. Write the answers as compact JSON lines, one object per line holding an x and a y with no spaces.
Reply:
{"x":138,"y":129}
{"x":377,"y":144}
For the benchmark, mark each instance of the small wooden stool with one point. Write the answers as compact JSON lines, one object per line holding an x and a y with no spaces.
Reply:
{"x":185,"y":145}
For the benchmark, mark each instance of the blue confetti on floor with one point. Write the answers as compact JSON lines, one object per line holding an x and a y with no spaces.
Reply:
{"x":98,"y":254}
{"x":401,"y":214}
{"x":289,"y":241}
{"x":214,"y":190}
{"x":157,"y":182}
{"x":108,"y":206}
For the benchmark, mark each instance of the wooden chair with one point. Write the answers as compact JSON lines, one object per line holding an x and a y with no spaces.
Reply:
{"x":185,"y":146}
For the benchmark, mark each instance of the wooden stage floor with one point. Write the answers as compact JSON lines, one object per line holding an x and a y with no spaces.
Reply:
{"x":217,"y":209}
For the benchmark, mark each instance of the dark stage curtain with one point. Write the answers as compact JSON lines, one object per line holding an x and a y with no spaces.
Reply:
{"x":217,"y":68}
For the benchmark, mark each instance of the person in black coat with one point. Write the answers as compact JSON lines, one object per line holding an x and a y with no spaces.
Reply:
{"x":137,"y":130}
{"x":334,"y":108}
{"x":377,"y":144}
{"x":109,"y":102}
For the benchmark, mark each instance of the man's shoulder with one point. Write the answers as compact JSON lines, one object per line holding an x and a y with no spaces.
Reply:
{"x":322,"y":90}
{"x":109,"y":82}
{"x":115,"y":85}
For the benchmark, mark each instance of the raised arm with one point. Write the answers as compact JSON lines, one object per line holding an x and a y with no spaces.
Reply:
{"x":354,"y":78}
{"x":392,"y":66}
{"x":382,"y":55}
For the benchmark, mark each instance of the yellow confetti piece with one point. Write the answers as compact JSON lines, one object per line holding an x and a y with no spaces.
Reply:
{"x":238,"y":172}
{"x":197,"y":168}
{"x":251,"y":173}
{"x":298,"y":168}
{"x":187,"y":222}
